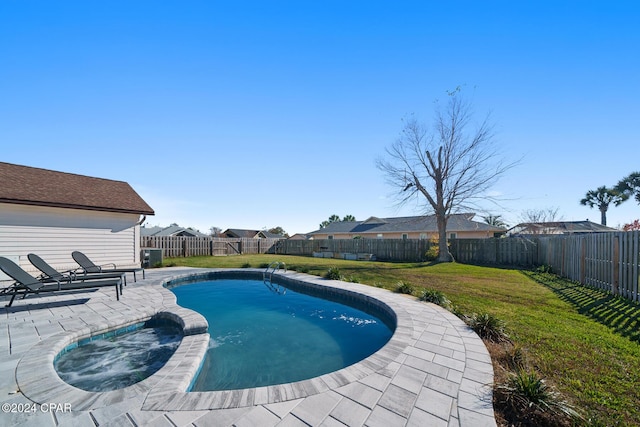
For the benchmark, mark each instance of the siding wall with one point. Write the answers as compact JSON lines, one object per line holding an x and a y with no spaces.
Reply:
{"x":53,"y":233}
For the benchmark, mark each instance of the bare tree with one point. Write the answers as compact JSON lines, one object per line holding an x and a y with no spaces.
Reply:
{"x":550,"y":214}
{"x":540,"y":220}
{"x":448,"y":167}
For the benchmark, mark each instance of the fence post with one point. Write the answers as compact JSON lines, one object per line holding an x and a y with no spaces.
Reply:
{"x":583,"y":259}
{"x":616,"y":265}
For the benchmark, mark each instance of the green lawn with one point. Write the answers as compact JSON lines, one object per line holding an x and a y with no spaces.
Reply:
{"x":583,"y":342}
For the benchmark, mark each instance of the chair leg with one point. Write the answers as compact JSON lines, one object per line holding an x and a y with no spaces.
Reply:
{"x":12,"y":298}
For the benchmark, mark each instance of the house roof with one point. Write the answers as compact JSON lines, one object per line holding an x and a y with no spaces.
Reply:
{"x":172,"y":230}
{"x":559,"y":227}
{"x":250,"y":234}
{"x":456,"y":223}
{"x":240,"y":233}
{"x":42,"y":187}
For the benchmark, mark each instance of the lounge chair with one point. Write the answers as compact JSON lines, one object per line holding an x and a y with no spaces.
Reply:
{"x":27,"y":284}
{"x":87,"y":266}
{"x":51,"y":274}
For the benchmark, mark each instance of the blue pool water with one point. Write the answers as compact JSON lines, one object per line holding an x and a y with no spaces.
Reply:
{"x":119,"y":359}
{"x":260,"y":337}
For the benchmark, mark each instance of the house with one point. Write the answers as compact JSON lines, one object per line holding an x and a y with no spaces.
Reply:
{"x":237,"y":233}
{"x":558,"y":227}
{"x":299,"y":236}
{"x":459,"y":226}
{"x":53,"y":213}
{"x":172,"y":230}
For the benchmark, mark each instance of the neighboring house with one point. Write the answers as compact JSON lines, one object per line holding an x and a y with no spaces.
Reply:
{"x":558,"y":227}
{"x":460,"y":226}
{"x":236,"y":233}
{"x":172,"y":230}
{"x":54,"y":213}
{"x":299,"y":236}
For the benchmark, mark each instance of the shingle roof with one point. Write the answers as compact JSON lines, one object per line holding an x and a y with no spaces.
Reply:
{"x":564,"y":227}
{"x":172,"y":230}
{"x":240,"y":233}
{"x":42,"y":187}
{"x":456,"y":223}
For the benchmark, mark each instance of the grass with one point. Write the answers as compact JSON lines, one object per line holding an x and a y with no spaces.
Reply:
{"x":584,"y":343}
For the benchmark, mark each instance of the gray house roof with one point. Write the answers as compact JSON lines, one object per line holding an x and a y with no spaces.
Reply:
{"x":172,"y":230}
{"x":250,"y":234}
{"x":407,"y":224}
{"x":559,"y":227}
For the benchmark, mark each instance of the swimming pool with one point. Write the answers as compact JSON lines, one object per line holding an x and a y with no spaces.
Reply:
{"x":260,"y":337}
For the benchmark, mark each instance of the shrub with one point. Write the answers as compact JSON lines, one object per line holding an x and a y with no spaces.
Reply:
{"x":263,"y":265}
{"x":436,"y":297}
{"x":404,"y":288}
{"x":246,"y":265}
{"x":515,"y":358}
{"x":543,"y":269}
{"x":303,"y":269}
{"x":529,"y":397}
{"x":433,"y":251}
{"x":333,"y":274}
{"x":488,"y":327}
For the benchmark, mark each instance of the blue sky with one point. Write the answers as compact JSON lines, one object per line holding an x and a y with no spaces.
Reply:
{"x":251,"y":114}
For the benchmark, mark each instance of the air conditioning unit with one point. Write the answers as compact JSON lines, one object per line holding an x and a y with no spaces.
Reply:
{"x":151,"y":257}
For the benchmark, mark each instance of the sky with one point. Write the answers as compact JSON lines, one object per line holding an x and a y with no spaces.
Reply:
{"x":254,"y":114}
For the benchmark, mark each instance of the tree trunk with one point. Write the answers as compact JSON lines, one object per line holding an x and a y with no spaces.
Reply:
{"x":443,"y":248}
{"x":603,"y":216}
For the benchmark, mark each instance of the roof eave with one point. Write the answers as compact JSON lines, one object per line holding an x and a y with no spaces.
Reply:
{"x":80,"y":207}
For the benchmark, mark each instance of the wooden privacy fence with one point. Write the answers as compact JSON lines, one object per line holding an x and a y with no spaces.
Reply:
{"x":608,"y":261}
{"x":179,"y":246}
{"x":407,"y":250}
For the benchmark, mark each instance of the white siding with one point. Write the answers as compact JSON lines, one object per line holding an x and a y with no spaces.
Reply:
{"x":53,"y":233}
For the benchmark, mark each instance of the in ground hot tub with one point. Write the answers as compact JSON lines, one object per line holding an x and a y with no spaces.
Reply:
{"x":119,"y":358}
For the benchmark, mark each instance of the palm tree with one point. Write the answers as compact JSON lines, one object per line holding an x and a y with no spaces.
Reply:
{"x":332,"y":218}
{"x":495,"y":220}
{"x":349,"y":218}
{"x":630,"y":186}
{"x":602,"y":197}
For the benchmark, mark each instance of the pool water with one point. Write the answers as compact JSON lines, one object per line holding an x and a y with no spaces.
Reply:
{"x":260,"y":337}
{"x":119,"y":360}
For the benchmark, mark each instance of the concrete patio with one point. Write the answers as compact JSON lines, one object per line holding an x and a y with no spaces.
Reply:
{"x":433,"y":372}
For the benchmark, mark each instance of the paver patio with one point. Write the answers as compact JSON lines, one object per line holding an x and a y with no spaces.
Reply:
{"x":433,"y":372}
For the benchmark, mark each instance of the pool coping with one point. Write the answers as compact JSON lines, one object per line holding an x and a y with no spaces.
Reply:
{"x":441,"y":350}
